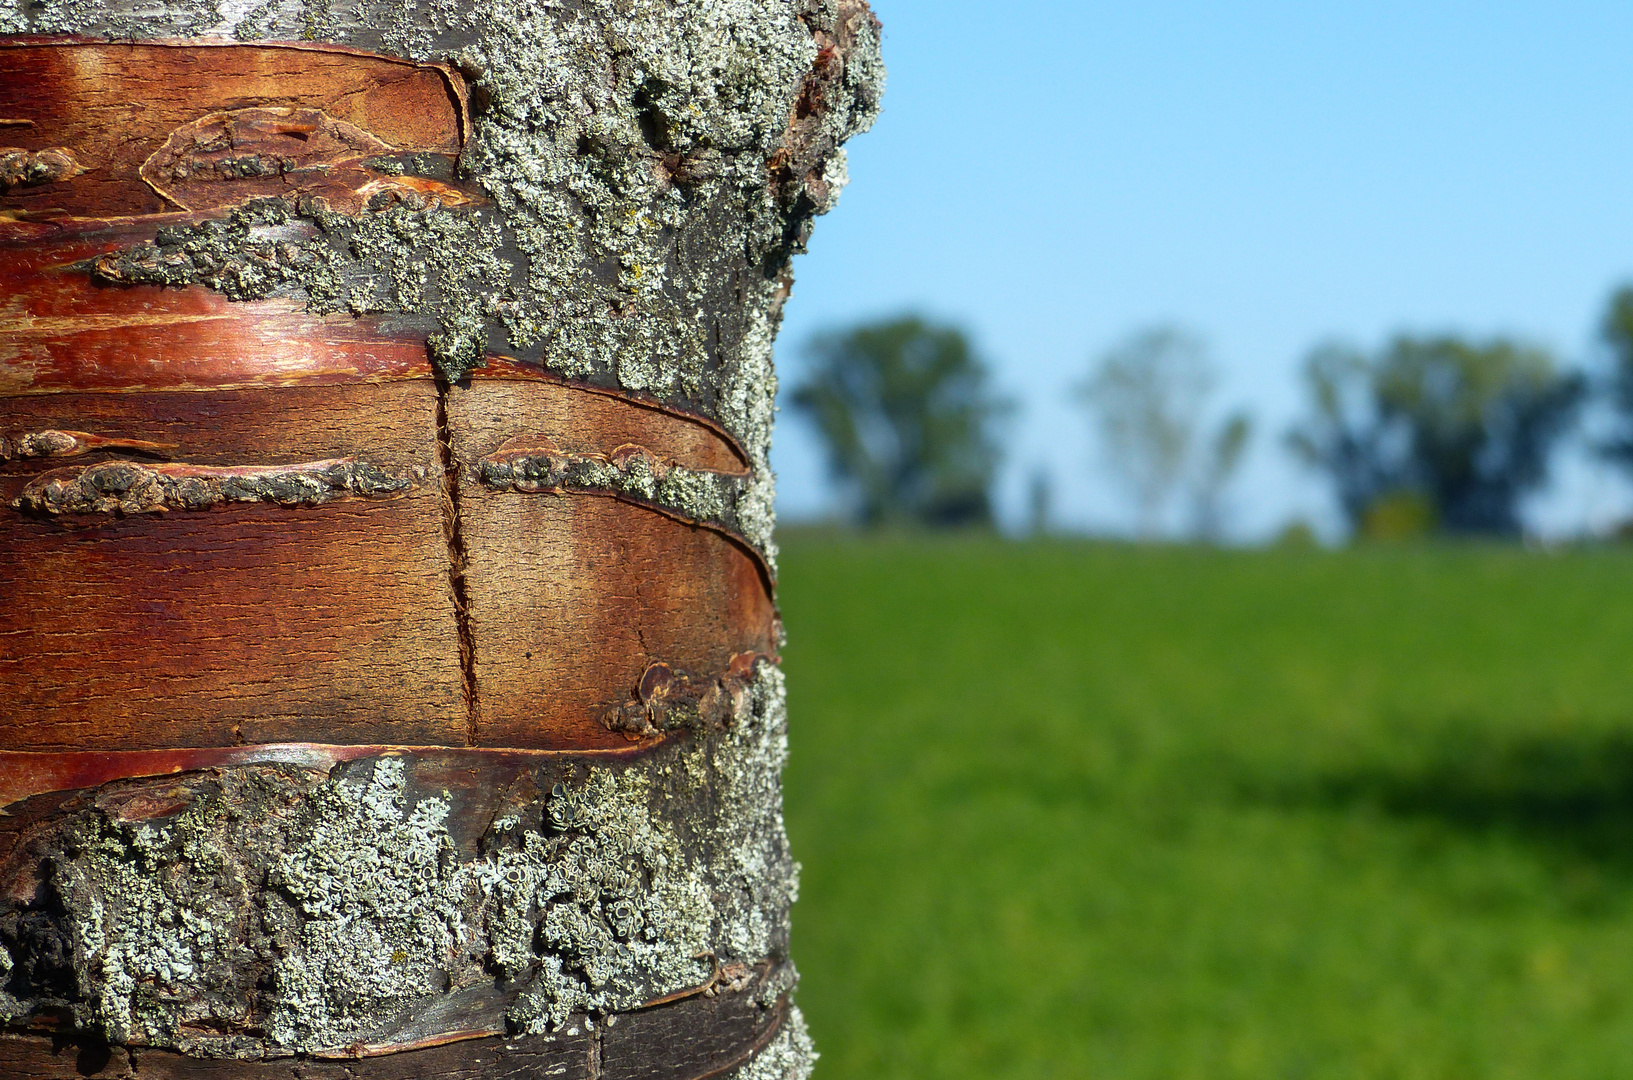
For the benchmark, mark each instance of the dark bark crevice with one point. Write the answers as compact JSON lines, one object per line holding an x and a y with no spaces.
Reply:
{"x":458,"y":562}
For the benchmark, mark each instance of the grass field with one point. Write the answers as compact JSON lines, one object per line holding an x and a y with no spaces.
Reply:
{"x":1078,"y":810}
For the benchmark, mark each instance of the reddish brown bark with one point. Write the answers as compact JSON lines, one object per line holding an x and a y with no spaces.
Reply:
{"x":116,"y":108}
{"x":266,"y":566}
{"x":335,"y":622}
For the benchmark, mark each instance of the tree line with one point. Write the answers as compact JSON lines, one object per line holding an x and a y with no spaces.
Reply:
{"x":1426,"y":433}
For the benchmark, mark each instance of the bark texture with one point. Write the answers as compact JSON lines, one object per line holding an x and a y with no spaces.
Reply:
{"x":387,"y":635}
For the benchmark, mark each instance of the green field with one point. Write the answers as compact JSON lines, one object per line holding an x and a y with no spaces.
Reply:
{"x":1089,"y":810}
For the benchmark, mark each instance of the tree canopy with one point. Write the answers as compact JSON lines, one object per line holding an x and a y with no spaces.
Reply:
{"x":907,"y":411}
{"x":1617,"y":332}
{"x":1147,"y":397}
{"x":1466,"y":427}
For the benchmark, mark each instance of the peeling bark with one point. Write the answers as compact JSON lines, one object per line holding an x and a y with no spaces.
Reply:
{"x":401,"y":898}
{"x":387,"y":631}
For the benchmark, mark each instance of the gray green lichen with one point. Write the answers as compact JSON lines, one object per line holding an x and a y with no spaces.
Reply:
{"x":433,"y":267}
{"x":708,"y":498}
{"x":788,"y":1056}
{"x":127,"y":487}
{"x":651,"y":164}
{"x":267,"y":910}
{"x":650,"y":167}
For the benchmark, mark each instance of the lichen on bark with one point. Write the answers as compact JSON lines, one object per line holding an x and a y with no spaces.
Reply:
{"x":645,"y":169}
{"x":706,"y":498}
{"x":790,"y":1054}
{"x":652,"y":165}
{"x":266,"y":910}
{"x":128,"y":487}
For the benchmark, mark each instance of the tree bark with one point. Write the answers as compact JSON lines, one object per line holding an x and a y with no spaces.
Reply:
{"x":387,"y":633}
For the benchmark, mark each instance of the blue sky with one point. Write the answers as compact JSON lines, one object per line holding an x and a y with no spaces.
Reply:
{"x":1052,"y":176}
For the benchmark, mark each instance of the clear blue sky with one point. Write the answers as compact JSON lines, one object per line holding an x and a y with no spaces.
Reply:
{"x":1054,"y":175}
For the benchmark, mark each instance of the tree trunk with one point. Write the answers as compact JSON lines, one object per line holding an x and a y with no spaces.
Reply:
{"x":387,"y":639}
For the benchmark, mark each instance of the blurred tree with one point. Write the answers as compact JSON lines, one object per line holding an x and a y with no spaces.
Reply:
{"x":1344,"y":435}
{"x":1617,"y":332}
{"x":907,"y":411}
{"x":1223,"y":455}
{"x":1147,"y":396}
{"x":1465,"y":428}
{"x":1401,"y":514}
{"x":1040,"y":501}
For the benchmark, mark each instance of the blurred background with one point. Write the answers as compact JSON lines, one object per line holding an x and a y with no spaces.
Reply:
{"x":1206,"y":476}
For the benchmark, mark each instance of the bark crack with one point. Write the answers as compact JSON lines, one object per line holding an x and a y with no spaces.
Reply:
{"x":458,"y":561}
